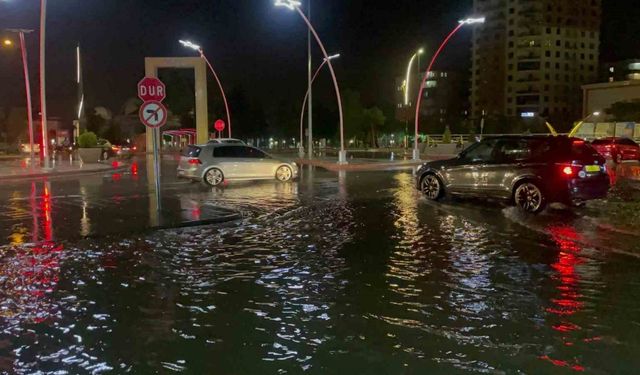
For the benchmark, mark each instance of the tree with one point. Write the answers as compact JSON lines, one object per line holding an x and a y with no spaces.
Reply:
{"x":625,"y":111}
{"x":353,"y":113}
{"x":374,"y":119}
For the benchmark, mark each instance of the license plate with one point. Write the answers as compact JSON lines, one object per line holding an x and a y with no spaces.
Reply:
{"x":592,"y":168}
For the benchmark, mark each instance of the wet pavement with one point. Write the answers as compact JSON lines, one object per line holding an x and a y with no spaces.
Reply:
{"x":349,"y":273}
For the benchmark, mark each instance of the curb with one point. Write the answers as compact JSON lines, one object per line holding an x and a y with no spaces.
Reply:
{"x":63,"y":174}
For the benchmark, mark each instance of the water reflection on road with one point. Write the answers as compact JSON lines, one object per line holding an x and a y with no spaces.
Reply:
{"x":350,"y":273}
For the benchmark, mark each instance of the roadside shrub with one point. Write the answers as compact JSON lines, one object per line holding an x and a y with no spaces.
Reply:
{"x":87,"y":140}
{"x":446,"y":137}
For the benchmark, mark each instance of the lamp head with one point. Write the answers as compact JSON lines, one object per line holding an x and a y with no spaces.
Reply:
{"x":420,"y":51}
{"x":596,"y":113}
{"x":7,"y":42}
{"x":472,"y":20}
{"x":188,"y":44}
{"x":333,"y":57}
{"x":290,"y":4}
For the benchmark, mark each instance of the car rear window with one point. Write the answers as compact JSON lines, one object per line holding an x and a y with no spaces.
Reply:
{"x":582,"y":150}
{"x":191,"y":152}
{"x":601,"y":142}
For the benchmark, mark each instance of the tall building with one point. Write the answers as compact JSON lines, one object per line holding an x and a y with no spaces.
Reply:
{"x":627,"y":70}
{"x":531,"y":57}
{"x":444,"y":100}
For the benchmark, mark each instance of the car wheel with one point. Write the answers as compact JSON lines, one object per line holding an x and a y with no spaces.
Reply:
{"x":284,"y":173}
{"x":530,"y":198}
{"x":213,"y":177}
{"x":431,"y":187}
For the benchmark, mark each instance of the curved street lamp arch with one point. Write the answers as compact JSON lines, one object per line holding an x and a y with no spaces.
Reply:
{"x":295,"y":5}
{"x":461,"y":24}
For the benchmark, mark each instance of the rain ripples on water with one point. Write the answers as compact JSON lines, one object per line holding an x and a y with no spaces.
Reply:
{"x":334,"y":278}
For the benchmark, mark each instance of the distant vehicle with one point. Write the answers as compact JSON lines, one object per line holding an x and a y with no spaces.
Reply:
{"x":528,"y":171}
{"x":123,"y":150}
{"x":215,"y":163}
{"x":229,"y":141}
{"x":617,"y":149}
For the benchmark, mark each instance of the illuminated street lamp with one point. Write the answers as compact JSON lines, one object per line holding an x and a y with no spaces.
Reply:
{"x":25,"y":68}
{"x":43,"y":88}
{"x":579,"y":124}
{"x":461,"y":24}
{"x":196,"y":47}
{"x":408,"y":80}
{"x":306,"y":98}
{"x":295,"y":5}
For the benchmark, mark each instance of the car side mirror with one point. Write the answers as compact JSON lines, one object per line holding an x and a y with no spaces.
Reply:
{"x":462,"y":155}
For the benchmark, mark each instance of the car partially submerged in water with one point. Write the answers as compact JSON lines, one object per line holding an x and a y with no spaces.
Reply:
{"x":529,"y":171}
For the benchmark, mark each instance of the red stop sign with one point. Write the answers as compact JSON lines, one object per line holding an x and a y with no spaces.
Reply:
{"x":219,"y":125}
{"x":151,"y":89}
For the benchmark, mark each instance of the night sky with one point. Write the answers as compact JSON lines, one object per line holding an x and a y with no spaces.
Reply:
{"x":253,"y":45}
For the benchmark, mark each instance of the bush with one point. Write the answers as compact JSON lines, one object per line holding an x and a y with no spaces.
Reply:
{"x":87,"y":140}
{"x":446,"y":137}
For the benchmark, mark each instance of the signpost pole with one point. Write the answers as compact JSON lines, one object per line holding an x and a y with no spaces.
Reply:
{"x":156,"y":162}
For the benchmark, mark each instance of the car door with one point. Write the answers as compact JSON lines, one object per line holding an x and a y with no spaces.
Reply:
{"x":262,"y":165}
{"x":512,"y":157}
{"x":627,"y":148}
{"x":469,"y":175}
{"x":229,"y":160}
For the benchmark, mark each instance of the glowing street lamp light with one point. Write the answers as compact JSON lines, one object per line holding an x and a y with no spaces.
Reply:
{"x":461,"y":24}
{"x":295,"y":5}
{"x":7,"y":42}
{"x":196,"y":47}
{"x":306,"y":98}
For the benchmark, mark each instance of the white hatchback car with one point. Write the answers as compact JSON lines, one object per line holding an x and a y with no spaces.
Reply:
{"x":215,"y":163}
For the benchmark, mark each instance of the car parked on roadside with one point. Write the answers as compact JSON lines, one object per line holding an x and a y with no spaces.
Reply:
{"x":528,"y":171}
{"x":617,"y":149}
{"x":215,"y":163}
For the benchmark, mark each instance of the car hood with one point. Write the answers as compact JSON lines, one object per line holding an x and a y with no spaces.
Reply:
{"x":438,"y":164}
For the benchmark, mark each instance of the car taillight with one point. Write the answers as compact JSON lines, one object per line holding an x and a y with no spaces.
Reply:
{"x":195,"y":161}
{"x":570,"y":170}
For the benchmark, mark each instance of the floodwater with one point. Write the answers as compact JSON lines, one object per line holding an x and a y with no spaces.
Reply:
{"x":333,"y":274}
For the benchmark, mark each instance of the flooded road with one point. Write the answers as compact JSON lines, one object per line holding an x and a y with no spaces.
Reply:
{"x":333,"y":274}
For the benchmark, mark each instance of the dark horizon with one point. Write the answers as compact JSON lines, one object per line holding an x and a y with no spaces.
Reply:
{"x":267,"y":45}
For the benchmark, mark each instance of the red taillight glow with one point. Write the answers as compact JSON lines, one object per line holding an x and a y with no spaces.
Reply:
{"x":578,"y":142}
{"x":195,"y":161}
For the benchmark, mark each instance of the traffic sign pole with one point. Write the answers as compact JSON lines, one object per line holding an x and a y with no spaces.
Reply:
{"x":154,"y":114}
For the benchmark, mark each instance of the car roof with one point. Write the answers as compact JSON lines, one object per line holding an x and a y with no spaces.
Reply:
{"x":532,"y":136}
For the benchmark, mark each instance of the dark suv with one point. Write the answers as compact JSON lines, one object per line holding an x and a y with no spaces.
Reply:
{"x":529,"y":171}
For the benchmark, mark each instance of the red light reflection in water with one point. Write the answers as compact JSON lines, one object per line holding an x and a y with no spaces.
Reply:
{"x":116,"y":177}
{"x":568,"y":303}
{"x":45,"y":207}
{"x":32,"y":274}
{"x":134,"y":169}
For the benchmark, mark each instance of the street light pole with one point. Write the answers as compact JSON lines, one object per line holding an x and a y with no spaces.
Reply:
{"x":407,"y":84}
{"x":579,"y":124}
{"x":43,"y":90}
{"x":462,"y":23}
{"x":306,"y":97}
{"x":295,"y":5}
{"x":196,"y":47}
{"x":309,"y":89}
{"x":27,"y":84}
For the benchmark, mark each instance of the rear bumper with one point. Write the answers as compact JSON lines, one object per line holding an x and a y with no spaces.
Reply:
{"x":588,"y":189}
{"x":189,"y":174}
